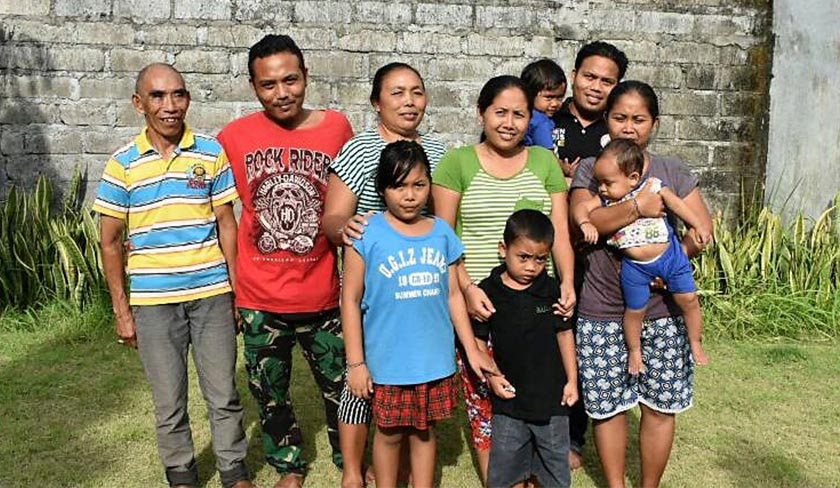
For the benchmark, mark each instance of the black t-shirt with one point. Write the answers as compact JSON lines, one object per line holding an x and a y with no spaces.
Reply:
{"x":524,"y":335}
{"x":572,"y":140}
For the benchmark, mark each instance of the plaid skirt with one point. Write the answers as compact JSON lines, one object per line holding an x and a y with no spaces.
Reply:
{"x":417,"y":406}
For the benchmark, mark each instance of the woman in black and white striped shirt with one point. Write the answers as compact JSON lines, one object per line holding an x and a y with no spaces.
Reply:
{"x":399,"y":97}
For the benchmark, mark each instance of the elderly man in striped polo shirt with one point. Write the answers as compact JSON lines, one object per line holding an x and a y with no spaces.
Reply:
{"x":172,"y":190}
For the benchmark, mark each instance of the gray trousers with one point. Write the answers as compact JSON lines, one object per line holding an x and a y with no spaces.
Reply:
{"x":521,"y":448}
{"x":164,"y":335}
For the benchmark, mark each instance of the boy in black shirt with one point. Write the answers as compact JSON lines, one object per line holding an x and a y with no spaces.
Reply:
{"x":535,"y":351}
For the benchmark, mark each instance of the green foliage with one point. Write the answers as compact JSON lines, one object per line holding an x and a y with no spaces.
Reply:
{"x":47,"y":253}
{"x":766,"y":278}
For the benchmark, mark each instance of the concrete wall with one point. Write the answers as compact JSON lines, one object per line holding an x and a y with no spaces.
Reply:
{"x":804,"y":140}
{"x":68,"y":67}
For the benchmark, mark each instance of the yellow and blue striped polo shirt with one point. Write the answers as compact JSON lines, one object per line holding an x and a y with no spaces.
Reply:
{"x":168,"y":204}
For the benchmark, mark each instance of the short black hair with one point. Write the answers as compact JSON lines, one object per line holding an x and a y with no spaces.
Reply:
{"x":531,"y":224}
{"x":640,"y":88}
{"x":383,"y":72}
{"x":628,"y":155}
{"x":494,"y":87}
{"x":605,"y":50}
{"x":396,"y":161}
{"x":273,"y":44}
{"x":544,"y":74}
{"x":497,"y":85}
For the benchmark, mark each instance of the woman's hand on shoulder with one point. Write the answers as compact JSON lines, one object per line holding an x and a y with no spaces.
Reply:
{"x":354,"y":228}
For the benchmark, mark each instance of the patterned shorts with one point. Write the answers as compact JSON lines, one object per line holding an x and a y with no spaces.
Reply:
{"x":666,"y":385}
{"x":352,"y":409}
{"x":417,"y":406}
{"x":479,"y":405}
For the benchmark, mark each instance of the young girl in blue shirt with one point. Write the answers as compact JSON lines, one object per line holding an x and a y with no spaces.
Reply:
{"x":400,"y":281}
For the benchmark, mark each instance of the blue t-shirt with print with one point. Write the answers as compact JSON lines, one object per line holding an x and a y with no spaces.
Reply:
{"x":408,"y":333}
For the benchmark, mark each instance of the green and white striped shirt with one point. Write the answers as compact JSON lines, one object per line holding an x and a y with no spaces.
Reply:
{"x":357,"y":161}
{"x":487,"y":201}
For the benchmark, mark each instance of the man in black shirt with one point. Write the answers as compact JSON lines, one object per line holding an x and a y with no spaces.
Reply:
{"x":580,"y":129}
{"x":581,"y":132}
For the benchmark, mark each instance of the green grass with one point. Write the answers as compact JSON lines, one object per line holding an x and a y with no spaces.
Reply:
{"x":764,"y":311}
{"x":76,"y":411}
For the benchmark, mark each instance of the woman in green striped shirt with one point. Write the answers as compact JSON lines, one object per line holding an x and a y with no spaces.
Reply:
{"x":398,"y":95}
{"x":476,"y":188}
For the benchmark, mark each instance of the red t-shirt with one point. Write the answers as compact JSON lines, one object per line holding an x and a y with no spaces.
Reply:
{"x":285,"y":264}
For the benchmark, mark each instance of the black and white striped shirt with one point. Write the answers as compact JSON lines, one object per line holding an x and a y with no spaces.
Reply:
{"x":357,"y":161}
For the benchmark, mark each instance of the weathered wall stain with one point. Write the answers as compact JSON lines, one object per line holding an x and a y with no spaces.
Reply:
{"x":804,"y":134}
{"x":708,"y":60}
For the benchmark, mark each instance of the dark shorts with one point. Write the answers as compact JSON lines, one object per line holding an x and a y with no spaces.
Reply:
{"x":521,"y":449}
{"x":418,"y":406}
{"x":667,"y":383}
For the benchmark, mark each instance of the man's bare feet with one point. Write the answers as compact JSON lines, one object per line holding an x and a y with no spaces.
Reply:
{"x":352,"y":482}
{"x":634,"y":362}
{"x":358,"y":479}
{"x":699,"y":354}
{"x":575,"y":460}
{"x":290,"y":480}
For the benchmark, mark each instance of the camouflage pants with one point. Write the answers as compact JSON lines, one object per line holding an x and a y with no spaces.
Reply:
{"x":269,"y":339}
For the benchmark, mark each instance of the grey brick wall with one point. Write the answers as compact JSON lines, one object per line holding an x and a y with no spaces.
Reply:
{"x":67,"y":68}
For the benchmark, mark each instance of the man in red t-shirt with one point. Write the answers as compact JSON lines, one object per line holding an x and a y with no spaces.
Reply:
{"x":287,"y":284}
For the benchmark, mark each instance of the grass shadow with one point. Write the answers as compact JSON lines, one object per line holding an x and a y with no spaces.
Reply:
{"x":60,"y":397}
{"x":591,"y":462}
{"x":450,"y":441}
{"x":466,"y":435}
{"x":76,"y":411}
{"x":255,"y":459}
{"x":751,"y":464}
{"x":784,"y":354}
{"x":77,"y":405}
{"x":309,"y":411}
